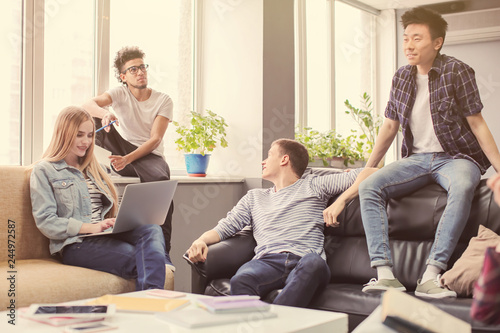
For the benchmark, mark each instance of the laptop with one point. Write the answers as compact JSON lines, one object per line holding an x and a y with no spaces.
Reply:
{"x":144,"y":203}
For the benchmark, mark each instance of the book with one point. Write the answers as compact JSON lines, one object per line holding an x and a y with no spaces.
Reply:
{"x":233,"y":304}
{"x":406,"y":313}
{"x":102,"y":155}
{"x":141,"y":304}
{"x":194,"y":318}
{"x":58,"y":320}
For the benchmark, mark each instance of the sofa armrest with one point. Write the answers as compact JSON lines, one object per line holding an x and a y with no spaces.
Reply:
{"x":223,"y":260}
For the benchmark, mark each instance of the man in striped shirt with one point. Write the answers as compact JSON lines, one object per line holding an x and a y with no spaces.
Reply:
{"x":287,"y":222}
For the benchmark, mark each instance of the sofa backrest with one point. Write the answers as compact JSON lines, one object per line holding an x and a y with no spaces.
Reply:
{"x":18,"y":230}
{"x":412,"y":225}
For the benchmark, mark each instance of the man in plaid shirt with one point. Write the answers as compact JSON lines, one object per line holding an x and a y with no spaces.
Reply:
{"x":436,"y":101}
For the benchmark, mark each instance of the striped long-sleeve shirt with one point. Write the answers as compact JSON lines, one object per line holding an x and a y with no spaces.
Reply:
{"x":290,"y":219}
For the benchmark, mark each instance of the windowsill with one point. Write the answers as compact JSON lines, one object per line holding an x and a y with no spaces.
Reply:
{"x":180,"y":174}
{"x":208,"y":179}
{"x":117,"y":179}
{"x":183,"y":179}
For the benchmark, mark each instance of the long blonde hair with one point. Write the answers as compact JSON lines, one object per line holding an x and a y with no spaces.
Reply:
{"x":65,"y":131}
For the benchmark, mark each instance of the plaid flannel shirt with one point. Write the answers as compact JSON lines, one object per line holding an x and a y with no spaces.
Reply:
{"x":486,"y":303}
{"x":453,"y":97}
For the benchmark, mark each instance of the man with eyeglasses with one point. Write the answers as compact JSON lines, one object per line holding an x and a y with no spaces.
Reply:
{"x":143,"y":115}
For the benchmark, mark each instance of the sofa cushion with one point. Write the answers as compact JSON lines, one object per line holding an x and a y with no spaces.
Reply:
{"x":348,"y":298}
{"x":465,"y":272}
{"x":49,"y":281}
{"x":16,"y":207}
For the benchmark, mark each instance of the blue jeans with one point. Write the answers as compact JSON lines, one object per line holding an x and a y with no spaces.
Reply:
{"x":136,"y":254}
{"x":149,"y":168}
{"x":459,"y":177}
{"x":299,"y":277}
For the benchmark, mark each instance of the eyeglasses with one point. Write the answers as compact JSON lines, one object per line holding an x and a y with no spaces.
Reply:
{"x":135,"y":69}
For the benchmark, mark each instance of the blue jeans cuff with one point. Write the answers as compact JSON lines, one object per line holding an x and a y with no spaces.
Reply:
{"x":437,"y":264}
{"x":385,"y":262}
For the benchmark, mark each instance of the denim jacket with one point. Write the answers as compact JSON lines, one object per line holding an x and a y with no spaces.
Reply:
{"x":60,"y":202}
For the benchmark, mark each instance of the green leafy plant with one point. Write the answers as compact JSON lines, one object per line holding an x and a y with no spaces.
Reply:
{"x":367,"y":121}
{"x":328,"y":145}
{"x":203,"y":134}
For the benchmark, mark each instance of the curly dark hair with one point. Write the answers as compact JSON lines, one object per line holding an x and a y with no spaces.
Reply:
{"x":421,"y":15}
{"x":123,"y":55}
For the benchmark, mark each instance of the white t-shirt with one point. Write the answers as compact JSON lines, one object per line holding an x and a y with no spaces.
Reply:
{"x":136,"y":118}
{"x":421,"y":126}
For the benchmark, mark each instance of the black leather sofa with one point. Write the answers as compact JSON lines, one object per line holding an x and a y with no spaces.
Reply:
{"x":412,"y":224}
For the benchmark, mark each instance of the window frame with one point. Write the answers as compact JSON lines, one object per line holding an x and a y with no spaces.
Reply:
{"x":32,"y":91}
{"x":301,"y":56}
{"x":384,"y":54}
{"x":32,"y":81}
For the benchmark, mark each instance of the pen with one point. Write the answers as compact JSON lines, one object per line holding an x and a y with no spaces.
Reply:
{"x":97,"y":130}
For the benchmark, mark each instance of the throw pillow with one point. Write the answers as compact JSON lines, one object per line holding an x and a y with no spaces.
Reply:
{"x":465,"y":272}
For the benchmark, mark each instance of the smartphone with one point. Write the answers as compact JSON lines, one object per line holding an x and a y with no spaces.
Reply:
{"x":94,"y":327}
{"x":186,"y":257}
{"x":87,"y":311}
{"x":165,"y":293}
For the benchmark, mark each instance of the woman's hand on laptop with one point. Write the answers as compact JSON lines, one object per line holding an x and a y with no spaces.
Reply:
{"x":92,"y":228}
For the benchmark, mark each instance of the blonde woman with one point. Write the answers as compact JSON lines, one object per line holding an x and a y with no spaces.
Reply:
{"x":72,"y":195}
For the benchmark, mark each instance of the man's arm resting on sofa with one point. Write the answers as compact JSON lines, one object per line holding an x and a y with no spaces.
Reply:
{"x":199,"y":249}
{"x":331,"y":213}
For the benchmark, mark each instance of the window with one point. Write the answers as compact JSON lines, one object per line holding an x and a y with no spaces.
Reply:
{"x":162,"y":29}
{"x":330,"y":80}
{"x":354,"y":61}
{"x":11,"y":30}
{"x":78,"y":40}
{"x":68,"y":59}
{"x":318,"y":86}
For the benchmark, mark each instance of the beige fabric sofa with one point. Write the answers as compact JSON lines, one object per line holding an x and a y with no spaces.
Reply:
{"x":28,"y":273}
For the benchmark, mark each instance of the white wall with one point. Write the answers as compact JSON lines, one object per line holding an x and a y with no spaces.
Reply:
{"x":232,"y":81}
{"x":483,"y":58}
{"x":278,"y":73}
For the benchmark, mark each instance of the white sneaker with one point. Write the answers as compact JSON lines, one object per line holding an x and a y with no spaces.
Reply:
{"x":433,"y":289}
{"x":375,"y":286}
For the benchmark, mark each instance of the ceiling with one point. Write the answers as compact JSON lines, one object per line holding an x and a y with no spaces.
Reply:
{"x":391,"y":4}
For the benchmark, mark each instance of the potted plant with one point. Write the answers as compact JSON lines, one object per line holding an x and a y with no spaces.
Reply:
{"x":329,"y":148}
{"x":201,"y":136}
{"x":367,"y":121}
